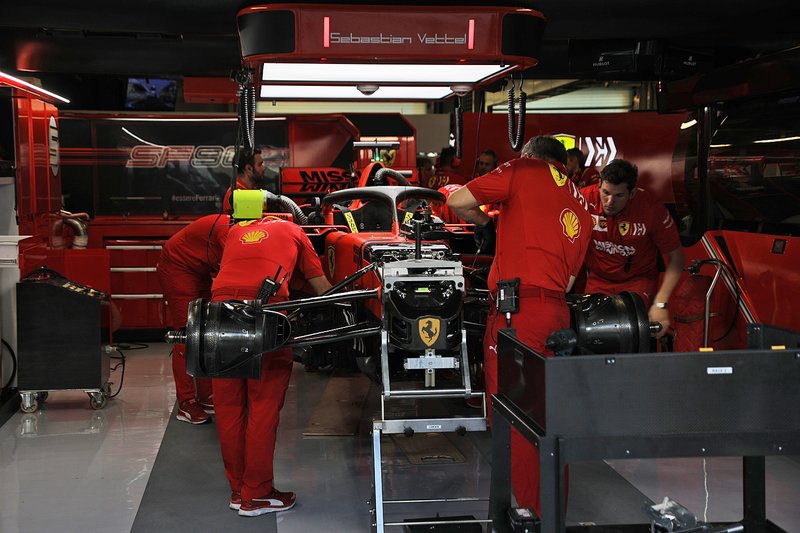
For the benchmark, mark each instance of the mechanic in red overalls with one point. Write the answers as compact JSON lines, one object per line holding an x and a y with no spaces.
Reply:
{"x":248,"y":410}
{"x":629,"y":229}
{"x":542,"y":236}
{"x":580,"y":175}
{"x":188,"y":260}
{"x":446,"y":173}
{"x":443,"y":211}
{"x":249,"y":175}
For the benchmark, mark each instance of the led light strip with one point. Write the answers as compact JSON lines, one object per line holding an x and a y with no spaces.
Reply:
{"x":29,"y":87}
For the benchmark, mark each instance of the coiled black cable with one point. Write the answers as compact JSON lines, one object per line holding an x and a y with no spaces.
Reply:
{"x":122,"y":377}
{"x":245,"y":131}
{"x":516,"y":128}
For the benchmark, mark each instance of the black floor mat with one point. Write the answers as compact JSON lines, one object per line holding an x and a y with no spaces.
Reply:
{"x":187,"y":490}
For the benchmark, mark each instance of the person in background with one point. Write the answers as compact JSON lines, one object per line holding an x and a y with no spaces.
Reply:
{"x":444,"y":212}
{"x":446,"y":173}
{"x":486,"y":162}
{"x":580,"y":175}
{"x":424,"y":171}
{"x":249,"y":175}
{"x":188,"y":260}
{"x":248,"y":410}
{"x":543,"y":232}
{"x":630,"y":229}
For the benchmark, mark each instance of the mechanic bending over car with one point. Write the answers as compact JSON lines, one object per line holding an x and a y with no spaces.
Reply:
{"x":249,"y":174}
{"x":248,"y":410}
{"x":543,"y":232}
{"x":629,"y":229}
{"x":188,"y":260}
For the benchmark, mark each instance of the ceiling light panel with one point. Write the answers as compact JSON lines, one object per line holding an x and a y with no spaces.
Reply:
{"x":378,"y":73}
{"x":351,"y":92}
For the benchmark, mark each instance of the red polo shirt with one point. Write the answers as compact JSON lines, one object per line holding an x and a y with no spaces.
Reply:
{"x":544,"y":228}
{"x":625,"y":246}
{"x":585,"y":177}
{"x":197,"y":248}
{"x":256,"y":248}
{"x":446,"y":177}
{"x":445,"y":213}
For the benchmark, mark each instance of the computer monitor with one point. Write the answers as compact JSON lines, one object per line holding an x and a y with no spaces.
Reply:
{"x":151,"y":94}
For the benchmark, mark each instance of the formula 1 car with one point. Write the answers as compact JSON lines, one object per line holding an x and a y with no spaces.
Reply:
{"x":407,"y":298}
{"x":416,"y":302}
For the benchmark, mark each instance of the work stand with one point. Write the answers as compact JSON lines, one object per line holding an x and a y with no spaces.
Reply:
{"x":429,"y":363}
{"x":706,"y":404}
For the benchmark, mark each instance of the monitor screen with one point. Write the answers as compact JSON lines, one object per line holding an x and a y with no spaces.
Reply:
{"x":151,"y":94}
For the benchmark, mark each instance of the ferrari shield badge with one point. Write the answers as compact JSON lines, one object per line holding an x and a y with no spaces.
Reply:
{"x":558,"y":177}
{"x":331,"y":260}
{"x":624,"y":226}
{"x":429,"y":328}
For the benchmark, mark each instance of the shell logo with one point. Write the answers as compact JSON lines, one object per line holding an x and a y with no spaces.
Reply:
{"x":254,"y":236}
{"x":571,"y":224}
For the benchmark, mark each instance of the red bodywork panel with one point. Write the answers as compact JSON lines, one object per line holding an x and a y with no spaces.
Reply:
{"x":38,"y":169}
{"x":344,"y":254}
{"x":316,"y":181}
{"x":318,"y":139}
{"x":768,"y":284}
{"x":771,"y":280}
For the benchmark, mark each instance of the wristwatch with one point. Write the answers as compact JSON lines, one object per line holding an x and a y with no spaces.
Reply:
{"x":660,"y":305}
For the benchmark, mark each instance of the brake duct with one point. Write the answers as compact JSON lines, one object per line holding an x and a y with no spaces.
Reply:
{"x":604,"y":324}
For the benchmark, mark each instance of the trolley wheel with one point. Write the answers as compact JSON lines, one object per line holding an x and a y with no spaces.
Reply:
{"x":29,"y":403}
{"x":97,"y":400}
{"x":42,"y":396}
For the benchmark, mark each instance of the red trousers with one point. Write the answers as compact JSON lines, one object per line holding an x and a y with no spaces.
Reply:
{"x":247,"y":416}
{"x":538,"y":317}
{"x":180,"y":288}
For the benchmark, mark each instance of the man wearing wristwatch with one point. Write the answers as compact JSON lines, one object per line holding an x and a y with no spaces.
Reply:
{"x":630,"y":229}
